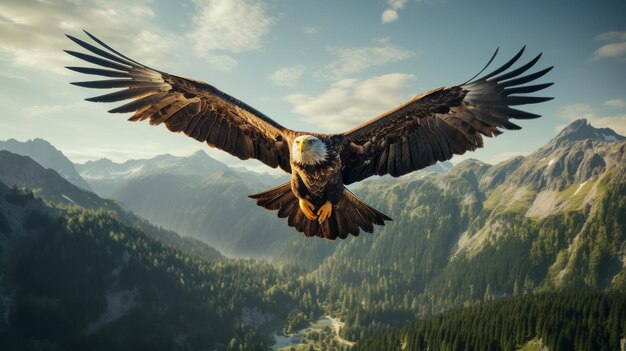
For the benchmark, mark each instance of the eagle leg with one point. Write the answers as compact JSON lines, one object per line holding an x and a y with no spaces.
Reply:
{"x":325,"y":211}
{"x":307,"y":209}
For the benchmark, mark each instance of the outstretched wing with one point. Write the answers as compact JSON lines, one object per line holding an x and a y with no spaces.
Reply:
{"x":441,"y":123}
{"x":184,"y":105}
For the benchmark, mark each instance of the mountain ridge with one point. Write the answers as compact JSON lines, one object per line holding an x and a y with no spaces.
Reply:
{"x":476,"y":232}
{"x":481,"y":231}
{"x":106,"y":176}
{"x":24,"y":173}
{"x":48,"y":156}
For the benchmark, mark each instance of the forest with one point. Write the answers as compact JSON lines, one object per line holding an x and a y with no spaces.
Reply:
{"x":562,"y":321}
{"x":62,"y":274}
{"x":82,"y":272}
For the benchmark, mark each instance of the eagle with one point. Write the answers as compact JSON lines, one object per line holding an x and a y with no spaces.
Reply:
{"x":428,"y":128}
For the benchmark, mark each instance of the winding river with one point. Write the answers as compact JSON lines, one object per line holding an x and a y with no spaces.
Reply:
{"x":296,"y":338}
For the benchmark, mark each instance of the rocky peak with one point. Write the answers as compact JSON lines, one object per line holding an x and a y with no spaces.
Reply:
{"x":48,"y":156}
{"x":580,"y":129}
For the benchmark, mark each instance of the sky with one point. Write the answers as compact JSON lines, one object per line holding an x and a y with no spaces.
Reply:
{"x":321,"y":66}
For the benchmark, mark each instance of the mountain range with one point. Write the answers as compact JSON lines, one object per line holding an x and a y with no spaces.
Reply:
{"x":47,"y":156}
{"x":555,"y":219}
{"x":200,"y":197}
{"x":551,"y":220}
{"x":22,"y":172}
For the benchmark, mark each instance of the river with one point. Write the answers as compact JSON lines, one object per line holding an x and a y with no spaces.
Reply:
{"x":296,"y":338}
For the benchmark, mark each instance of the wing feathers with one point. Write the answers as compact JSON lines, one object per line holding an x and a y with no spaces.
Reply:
{"x":98,"y":51}
{"x":526,"y":89}
{"x":99,"y":72}
{"x":142,"y":101}
{"x":98,"y":61}
{"x":111,"y":49}
{"x":444,"y":122}
{"x":526,"y":79}
{"x":518,"y":71}
{"x":197,"y":109}
{"x":505,"y":66}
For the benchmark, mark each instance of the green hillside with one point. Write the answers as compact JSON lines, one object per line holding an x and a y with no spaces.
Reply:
{"x":557,"y":321}
{"x":76,"y":279}
{"x":479,"y":233}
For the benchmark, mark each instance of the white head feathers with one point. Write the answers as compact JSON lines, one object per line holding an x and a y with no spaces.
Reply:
{"x":308,"y":150}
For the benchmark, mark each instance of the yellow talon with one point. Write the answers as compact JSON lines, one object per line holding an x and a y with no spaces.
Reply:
{"x":325,"y":211}
{"x":308,"y":209}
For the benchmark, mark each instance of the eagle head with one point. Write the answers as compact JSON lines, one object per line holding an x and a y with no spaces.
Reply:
{"x":308,"y":150}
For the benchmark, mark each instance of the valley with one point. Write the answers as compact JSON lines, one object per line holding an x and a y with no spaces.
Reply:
{"x":182,"y":229}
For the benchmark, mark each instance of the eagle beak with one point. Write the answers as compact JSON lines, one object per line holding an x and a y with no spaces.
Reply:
{"x":302,"y":146}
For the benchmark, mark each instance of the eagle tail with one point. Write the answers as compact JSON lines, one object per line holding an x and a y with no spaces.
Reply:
{"x":349,"y":216}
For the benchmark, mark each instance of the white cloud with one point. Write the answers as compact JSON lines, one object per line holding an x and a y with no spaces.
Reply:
{"x":228,"y":26}
{"x":612,"y":36}
{"x":349,"y":102}
{"x":615,"y":49}
{"x":286,"y":76}
{"x":576,"y":111}
{"x":383,"y":41}
{"x":33,"y":39}
{"x":391,"y":13}
{"x":389,"y":16}
{"x":616,"y":103}
{"x":354,"y":60}
{"x":310,"y":30}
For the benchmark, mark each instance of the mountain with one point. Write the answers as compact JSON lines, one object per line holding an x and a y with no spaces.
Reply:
{"x":196,"y":196}
{"x":215,"y":209}
{"x":581,"y":129}
{"x":22,"y":172}
{"x":552,"y":220}
{"x":201,"y":197}
{"x":48,"y":156}
{"x":107,"y":177}
{"x":78,"y":279}
{"x":470,"y":249}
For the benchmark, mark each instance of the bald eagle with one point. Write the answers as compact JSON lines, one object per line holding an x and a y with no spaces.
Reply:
{"x":430,"y":127}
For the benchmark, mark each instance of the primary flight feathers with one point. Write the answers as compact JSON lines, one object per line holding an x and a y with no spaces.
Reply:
{"x":431,"y":127}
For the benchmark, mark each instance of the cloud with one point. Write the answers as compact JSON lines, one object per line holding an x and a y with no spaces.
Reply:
{"x":391,"y":13}
{"x":353,"y":60}
{"x":612,"y":36}
{"x":383,"y":40}
{"x":228,"y":26}
{"x":616,"y":103}
{"x":615,"y":49}
{"x":286,"y":76}
{"x":310,"y":30}
{"x":389,"y":16}
{"x":349,"y":102}
{"x":33,"y":39}
{"x":576,"y":111}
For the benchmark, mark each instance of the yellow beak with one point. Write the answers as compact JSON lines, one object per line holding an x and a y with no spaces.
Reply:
{"x":302,"y":146}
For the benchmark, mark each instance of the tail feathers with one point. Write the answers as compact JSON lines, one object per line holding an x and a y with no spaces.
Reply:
{"x":275,"y":198}
{"x":349,"y":216}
